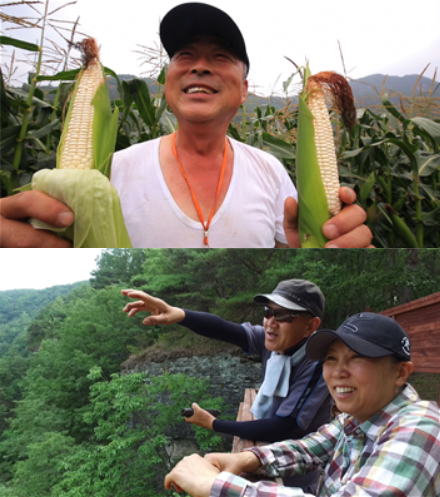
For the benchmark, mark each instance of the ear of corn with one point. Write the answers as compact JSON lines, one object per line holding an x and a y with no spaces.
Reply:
{"x":81,"y":179}
{"x":316,"y":163}
{"x":75,"y":150}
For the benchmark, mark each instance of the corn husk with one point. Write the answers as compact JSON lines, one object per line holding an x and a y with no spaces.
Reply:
{"x":98,"y":216}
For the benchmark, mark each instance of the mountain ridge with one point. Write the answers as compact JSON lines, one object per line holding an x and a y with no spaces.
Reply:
{"x":365,"y":89}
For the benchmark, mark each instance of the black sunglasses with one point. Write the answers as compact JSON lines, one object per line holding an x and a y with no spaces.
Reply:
{"x":281,"y":315}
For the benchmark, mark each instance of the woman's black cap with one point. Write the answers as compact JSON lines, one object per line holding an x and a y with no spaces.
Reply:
{"x":368,"y":334}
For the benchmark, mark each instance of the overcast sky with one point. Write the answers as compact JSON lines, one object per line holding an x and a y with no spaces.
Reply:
{"x":43,"y":268}
{"x":394,"y":37}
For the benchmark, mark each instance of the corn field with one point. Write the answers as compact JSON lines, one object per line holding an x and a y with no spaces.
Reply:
{"x":391,"y":157}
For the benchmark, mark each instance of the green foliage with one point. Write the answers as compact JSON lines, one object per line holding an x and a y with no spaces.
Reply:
{"x":20,"y":332}
{"x":134,"y":418}
{"x":14,"y":302}
{"x":37,"y":475}
{"x":13,"y":334}
{"x":89,"y":331}
{"x":117,"y":267}
{"x":225,"y":281}
{"x":13,"y":367}
{"x":393,"y":163}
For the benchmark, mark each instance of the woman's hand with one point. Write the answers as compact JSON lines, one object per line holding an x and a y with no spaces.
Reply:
{"x":194,"y":475}
{"x":245,"y":461}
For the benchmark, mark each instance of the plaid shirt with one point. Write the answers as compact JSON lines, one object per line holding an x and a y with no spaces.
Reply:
{"x":395,"y":453}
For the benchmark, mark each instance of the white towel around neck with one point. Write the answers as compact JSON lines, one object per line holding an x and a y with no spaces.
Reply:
{"x":276,"y":381}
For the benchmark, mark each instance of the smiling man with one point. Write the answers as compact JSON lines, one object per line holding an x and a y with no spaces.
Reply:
{"x":293,"y":399}
{"x":197,"y":187}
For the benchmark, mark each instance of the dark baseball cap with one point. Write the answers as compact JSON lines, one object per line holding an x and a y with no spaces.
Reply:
{"x":296,"y":295}
{"x":366,"y":333}
{"x":187,"y":20}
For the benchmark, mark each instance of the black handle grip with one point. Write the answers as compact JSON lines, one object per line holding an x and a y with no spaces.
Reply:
{"x":189,"y":411}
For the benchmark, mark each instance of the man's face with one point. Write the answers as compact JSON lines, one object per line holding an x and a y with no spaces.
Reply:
{"x":205,"y":83}
{"x":283,"y":336}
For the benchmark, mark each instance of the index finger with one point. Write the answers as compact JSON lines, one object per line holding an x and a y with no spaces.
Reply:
{"x":168,"y":482}
{"x":150,"y":301}
{"x":19,"y":234}
{"x":135,"y":294}
{"x":38,"y":205}
{"x":347,"y":195}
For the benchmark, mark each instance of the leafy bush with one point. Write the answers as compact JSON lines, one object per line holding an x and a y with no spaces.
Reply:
{"x":135,"y":416}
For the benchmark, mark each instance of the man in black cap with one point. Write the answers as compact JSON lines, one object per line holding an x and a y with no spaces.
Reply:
{"x":196,"y":187}
{"x":293,"y":399}
{"x":386,"y":441}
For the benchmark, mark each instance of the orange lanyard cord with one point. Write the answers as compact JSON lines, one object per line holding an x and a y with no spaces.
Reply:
{"x":196,"y":203}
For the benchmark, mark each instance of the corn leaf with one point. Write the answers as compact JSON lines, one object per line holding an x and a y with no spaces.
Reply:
{"x":105,"y":129}
{"x":403,"y":231}
{"x":140,"y":93}
{"x":35,"y":101}
{"x":162,"y":76}
{"x":408,"y":150}
{"x":278,"y":147}
{"x":393,"y":111}
{"x":62,"y":76}
{"x":367,"y":186}
{"x":6,"y":114}
{"x":431,"y":127}
{"x":428,"y":163}
{"x":160,"y":111}
{"x":110,"y":72}
{"x":40,"y":132}
{"x":9,"y":139}
{"x":168,"y":122}
{"x":5,"y":40}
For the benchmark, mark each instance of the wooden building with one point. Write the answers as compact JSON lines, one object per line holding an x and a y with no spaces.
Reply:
{"x":421,"y":320}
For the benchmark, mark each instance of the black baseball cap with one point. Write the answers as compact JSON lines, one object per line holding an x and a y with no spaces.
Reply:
{"x":366,"y":333}
{"x":296,"y":295}
{"x":187,"y":20}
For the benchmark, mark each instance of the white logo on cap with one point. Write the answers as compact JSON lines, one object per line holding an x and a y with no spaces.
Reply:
{"x":406,"y":346}
{"x":351,"y":327}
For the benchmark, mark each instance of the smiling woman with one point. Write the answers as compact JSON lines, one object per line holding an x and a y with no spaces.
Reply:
{"x":385,"y":442}
{"x":366,"y":363}
{"x":362,"y":386}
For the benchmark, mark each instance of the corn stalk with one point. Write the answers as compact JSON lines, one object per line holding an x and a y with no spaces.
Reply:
{"x":24,"y":125}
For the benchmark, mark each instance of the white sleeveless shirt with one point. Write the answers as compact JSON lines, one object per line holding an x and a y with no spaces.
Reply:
{"x":251,"y":215}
